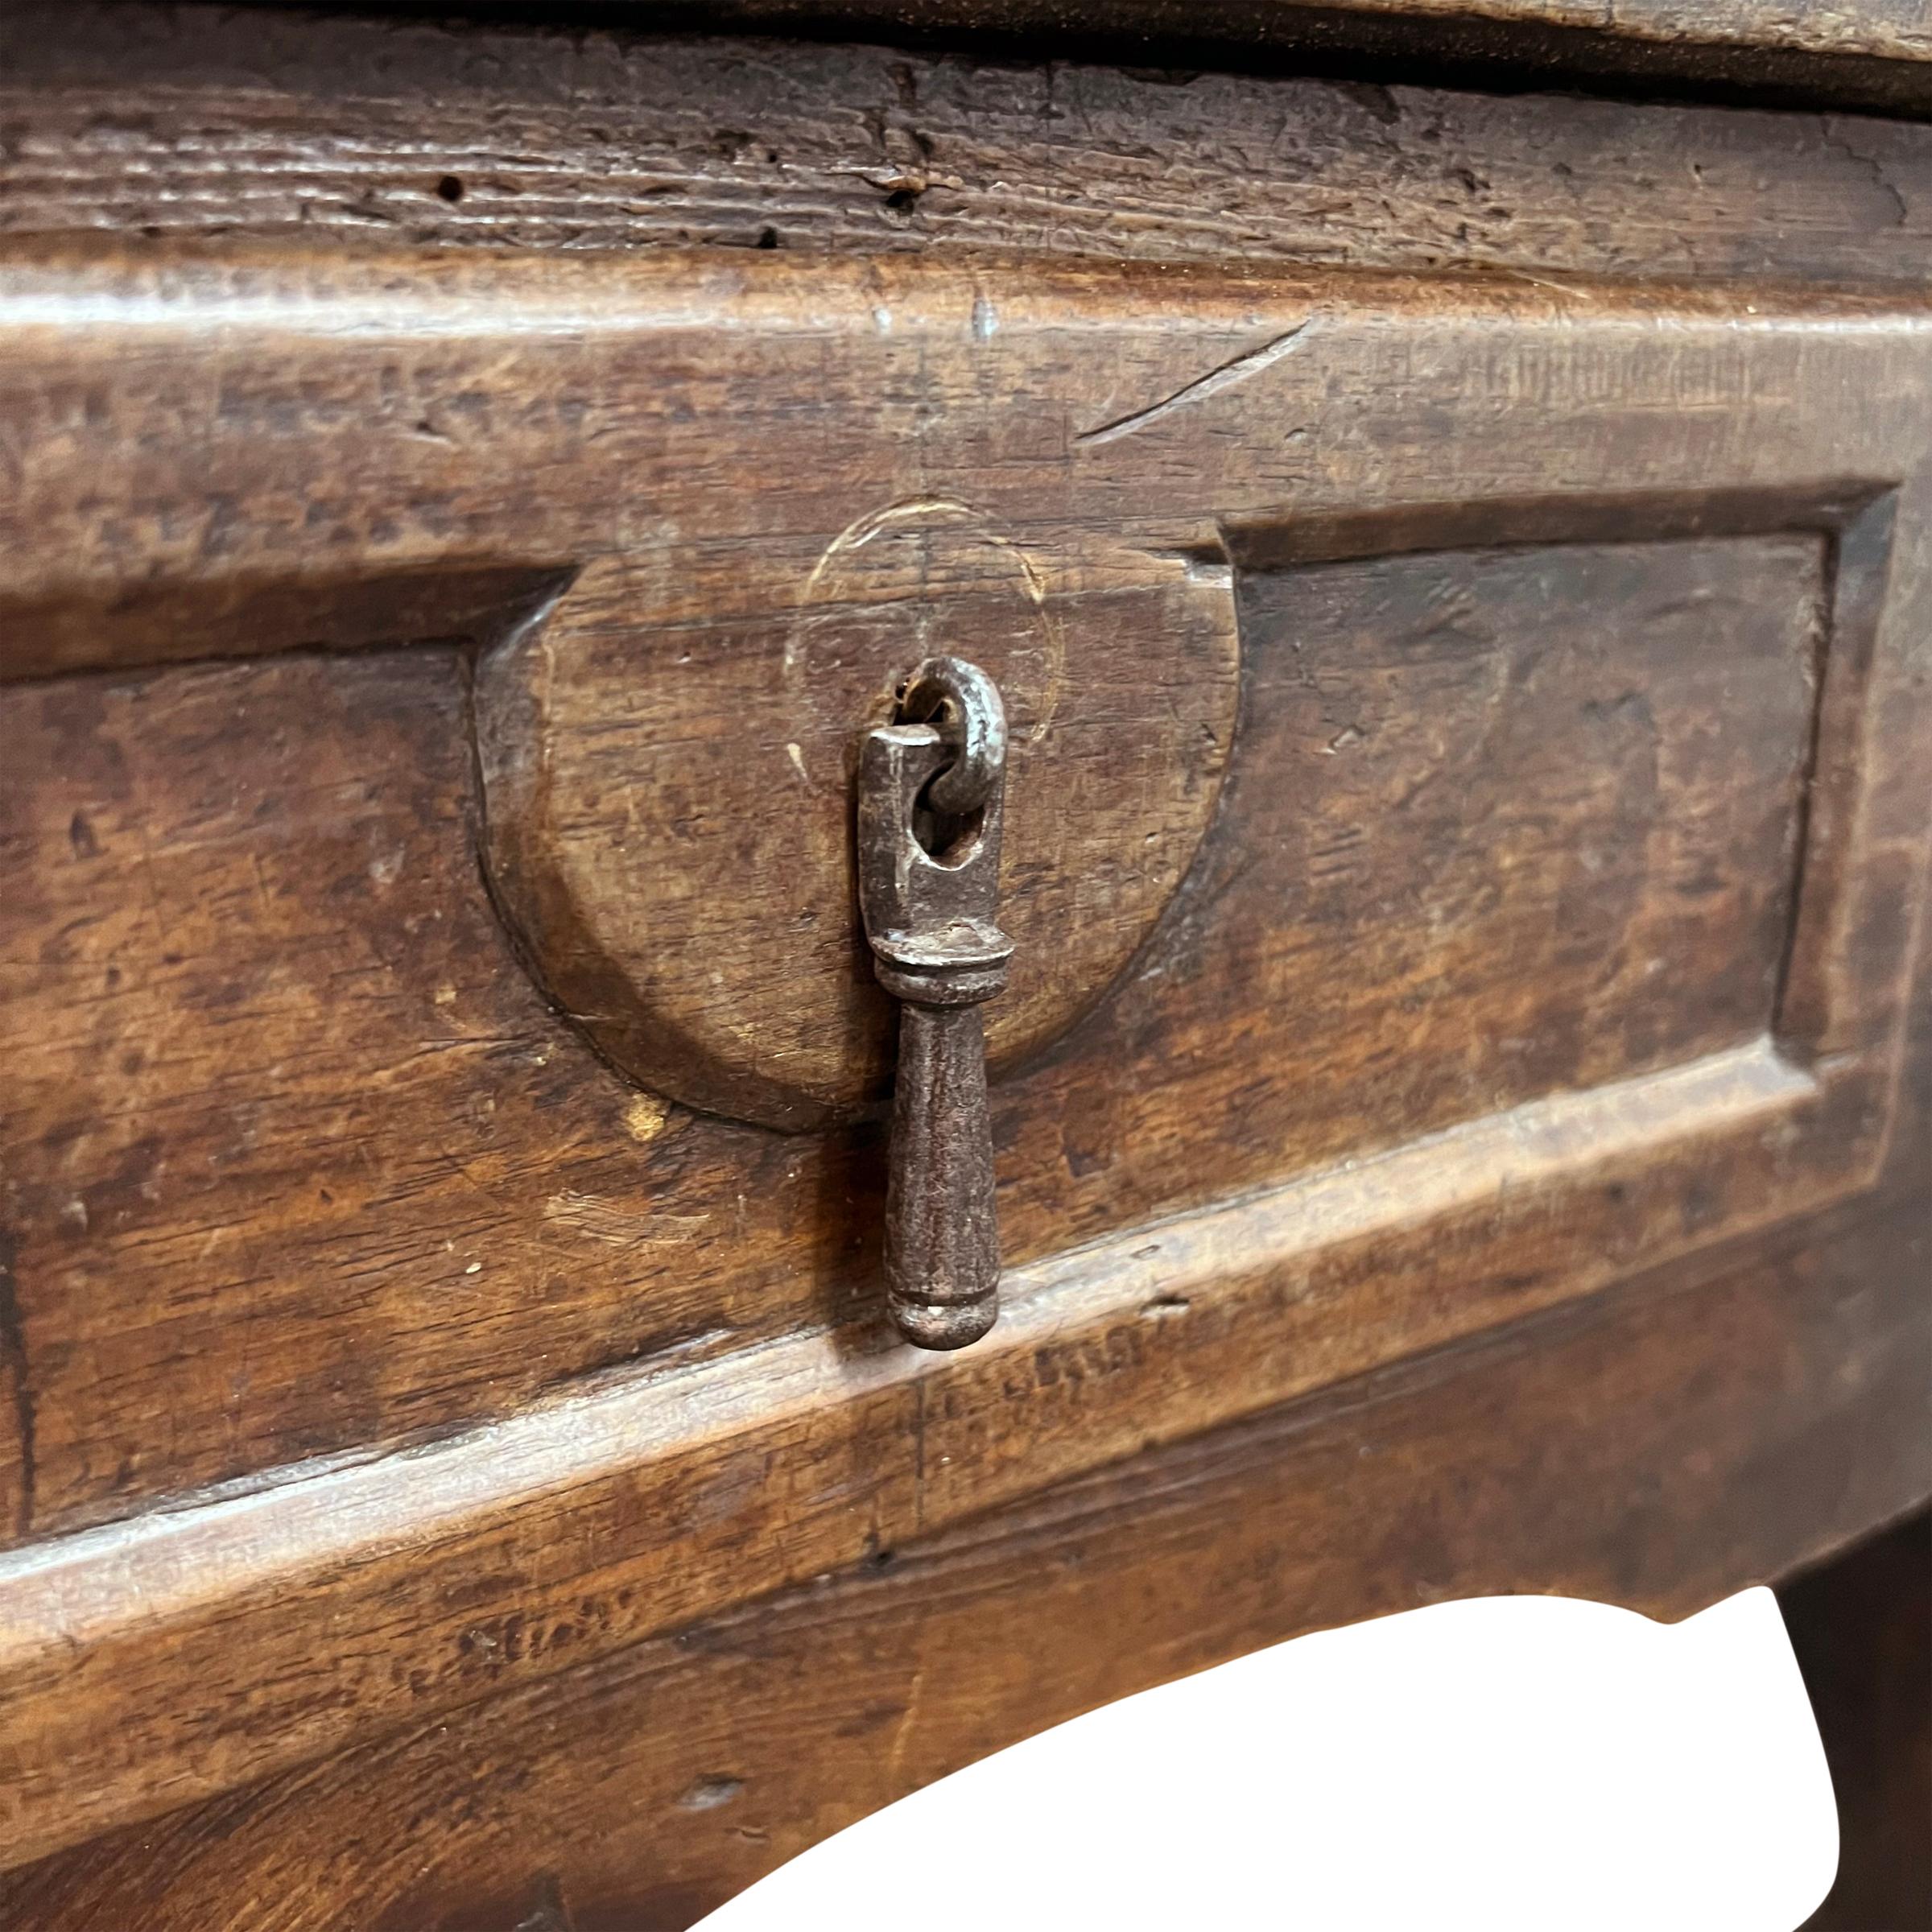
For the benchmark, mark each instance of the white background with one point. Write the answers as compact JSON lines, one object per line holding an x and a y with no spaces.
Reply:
{"x":1505,"y":1763}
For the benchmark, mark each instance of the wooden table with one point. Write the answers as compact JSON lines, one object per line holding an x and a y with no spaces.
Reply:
{"x":1458,"y":562}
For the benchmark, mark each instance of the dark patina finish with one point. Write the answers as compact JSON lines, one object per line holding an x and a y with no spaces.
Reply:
{"x":932,"y":788}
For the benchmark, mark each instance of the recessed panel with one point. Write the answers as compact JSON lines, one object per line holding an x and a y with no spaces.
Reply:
{"x":1500,"y":823}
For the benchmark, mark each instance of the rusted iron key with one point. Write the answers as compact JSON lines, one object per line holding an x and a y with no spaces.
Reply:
{"x":932,"y":792}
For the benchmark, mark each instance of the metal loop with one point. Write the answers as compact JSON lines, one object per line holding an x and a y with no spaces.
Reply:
{"x":965,"y":703}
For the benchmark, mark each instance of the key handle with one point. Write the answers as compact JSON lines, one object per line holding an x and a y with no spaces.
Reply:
{"x":931,"y":807}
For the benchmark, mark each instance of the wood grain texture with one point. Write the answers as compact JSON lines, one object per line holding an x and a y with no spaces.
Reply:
{"x":1886,"y":30}
{"x":1899,"y":29}
{"x":372,"y":1593}
{"x":336,"y":1532}
{"x":1579,"y":1455}
{"x":1600,"y":750}
{"x":186,"y":120}
{"x":437,"y":1202}
{"x":1862,"y":54}
{"x":662,"y":800}
{"x":385,"y":1371}
{"x":1894,"y":29}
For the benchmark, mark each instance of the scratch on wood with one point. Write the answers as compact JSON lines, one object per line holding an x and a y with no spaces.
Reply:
{"x":13,"y":1359}
{"x":902,"y":1731}
{"x":1225,"y":376}
{"x":856,"y":535}
{"x":601,"y":1220}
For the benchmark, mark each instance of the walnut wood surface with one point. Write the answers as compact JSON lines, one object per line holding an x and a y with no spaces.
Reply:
{"x":642,"y":831}
{"x":1659,"y":1448}
{"x":1900,"y":30}
{"x":371,"y":1593}
{"x":267,"y":1026}
{"x":1526,"y":952}
{"x":157,"y":120}
{"x":1569,"y":863}
{"x":1864,"y":53}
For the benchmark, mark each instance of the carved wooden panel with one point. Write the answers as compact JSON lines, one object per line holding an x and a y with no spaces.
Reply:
{"x":1533,"y":904}
{"x":644,"y":828}
{"x":642,"y":1788}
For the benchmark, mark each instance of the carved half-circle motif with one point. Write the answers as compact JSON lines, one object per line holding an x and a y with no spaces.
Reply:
{"x":669,"y":800}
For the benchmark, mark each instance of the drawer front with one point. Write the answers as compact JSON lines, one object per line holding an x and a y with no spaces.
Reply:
{"x":1466,"y":849}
